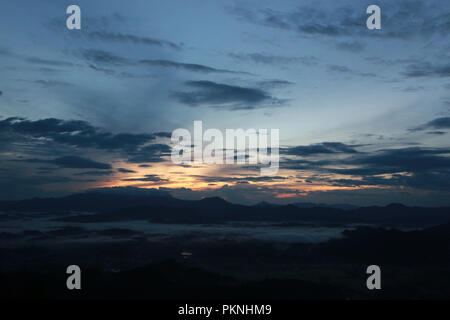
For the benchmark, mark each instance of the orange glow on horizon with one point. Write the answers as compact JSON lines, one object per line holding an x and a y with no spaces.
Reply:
{"x":170,"y":176}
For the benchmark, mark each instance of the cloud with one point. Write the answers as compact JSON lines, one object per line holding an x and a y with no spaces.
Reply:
{"x":390,"y":62}
{"x":95,"y":173}
{"x":123,"y":170}
{"x":239,"y":179}
{"x":48,"y":62}
{"x":427,"y":69}
{"x":274,"y":59}
{"x":75,"y":133}
{"x":273,"y":84}
{"x":57,"y":142}
{"x":73,"y":162}
{"x":186,"y":66}
{"x":119,"y":37}
{"x":32,"y":180}
{"x":147,"y":178}
{"x":36,"y":60}
{"x":411,"y":160}
{"x":419,"y":180}
{"x":98,"y":28}
{"x":103,"y":70}
{"x":317,"y":29}
{"x":428,"y":180}
{"x":103,"y":57}
{"x":50,"y":83}
{"x":163,"y":134}
{"x":150,"y":153}
{"x":415,"y":167}
{"x":347,"y":70}
{"x":438,"y":123}
{"x":306,"y":20}
{"x":225,"y":96}
{"x":320,"y":148}
{"x":351,"y":45}
{"x":401,"y":20}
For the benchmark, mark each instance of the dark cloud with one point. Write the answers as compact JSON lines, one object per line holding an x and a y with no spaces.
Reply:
{"x":73,"y":162}
{"x":401,"y":20}
{"x":427,"y":69}
{"x":366,"y":181}
{"x":417,"y":19}
{"x":428,"y":180}
{"x":438,"y":123}
{"x":47,"y":62}
{"x":49,"y":83}
{"x":246,"y":179}
{"x":390,"y":62}
{"x":32,"y":180}
{"x":186,"y":66}
{"x":95,"y":173}
{"x":150,"y":153}
{"x":98,"y":28}
{"x":411,"y":160}
{"x":36,"y":60}
{"x":419,"y":180}
{"x":226,"y":96}
{"x":320,"y":148}
{"x":317,"y":29}
{"x":103,"y":57}
{"x":103,"y":70}
{"x":163,"y":134}
{"x":274,"y":59}
{"x":418,"y":168}
{"x":347,"y":70}
{"x":75,"y":133}
{"x":415,"y":167}
{"x":351,"y":45}
{"x":148,"y":178}
{"x":305,"y":20}
{"x":273,"y":84}
{"x":118,"y":37}
{"x":123,"y":170}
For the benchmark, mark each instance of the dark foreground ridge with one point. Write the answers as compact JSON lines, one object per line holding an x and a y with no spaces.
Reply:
{"x":415,"y":266}
{"x":104,"y":233}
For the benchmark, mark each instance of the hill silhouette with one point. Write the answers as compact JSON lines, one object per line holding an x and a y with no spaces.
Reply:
{"x":122,"y":204}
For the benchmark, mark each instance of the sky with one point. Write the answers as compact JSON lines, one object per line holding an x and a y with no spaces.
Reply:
{"x":364,"y":115}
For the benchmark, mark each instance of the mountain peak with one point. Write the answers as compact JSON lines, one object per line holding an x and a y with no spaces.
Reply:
{"x":215,"y":201}
{"x":395,"y":205}
{"x":266,"y":204}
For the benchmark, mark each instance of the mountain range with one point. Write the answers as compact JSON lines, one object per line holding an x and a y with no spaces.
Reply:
{"x":125,"y":204}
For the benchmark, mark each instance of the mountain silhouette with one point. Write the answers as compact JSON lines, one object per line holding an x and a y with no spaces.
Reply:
{"x":122,"y":204}
{"x":343,"y":206}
